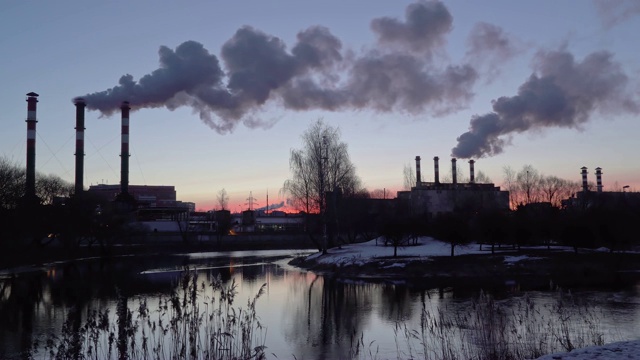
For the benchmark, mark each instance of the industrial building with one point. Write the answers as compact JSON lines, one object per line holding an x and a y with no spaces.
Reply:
{"x":588,"y":198}
{"x":153,"y":196}
{"x":433,"y":198}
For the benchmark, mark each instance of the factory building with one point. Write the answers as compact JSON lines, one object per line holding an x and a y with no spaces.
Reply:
{"x":588,"y":198}
{"x":146,"y":196}
{"x":433,"y":198}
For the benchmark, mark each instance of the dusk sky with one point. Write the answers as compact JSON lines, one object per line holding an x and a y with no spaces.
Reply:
{"x":222,"y":90}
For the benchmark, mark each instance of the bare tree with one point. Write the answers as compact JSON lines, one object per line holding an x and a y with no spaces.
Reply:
{"x":12,"y":185}
{"x":482,"y":178}
{"x":49,"y":187}
{"x":529,"y":180}
{"x":409,"y":177}
{"x":322,"y":164}
{"x":554,"y":189}
{"x":223,"y":199}
{"x":12,"y":182}
{"x":509,"y":183}
{"x":378,"y":194}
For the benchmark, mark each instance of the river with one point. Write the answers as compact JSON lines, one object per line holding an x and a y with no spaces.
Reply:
{"x":305,"y":315}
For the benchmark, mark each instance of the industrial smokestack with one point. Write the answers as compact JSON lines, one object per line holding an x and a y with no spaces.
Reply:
{"x":124,"y":152}
{"x":436,"y":170}
{"x":418,"y":179}
{"x":585,"y":186}
{"x":79,"y":186}
{"x":454,"y":175}
{"x":472,"y":177}
{"x":599,"y":179}
{"x":30,"y":189}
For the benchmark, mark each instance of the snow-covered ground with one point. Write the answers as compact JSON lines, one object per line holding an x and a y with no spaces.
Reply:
{"x":620,"y":350}
{"x":359,"y":254}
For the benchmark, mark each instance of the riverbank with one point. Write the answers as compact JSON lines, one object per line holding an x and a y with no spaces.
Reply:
{"x":429,"y":264}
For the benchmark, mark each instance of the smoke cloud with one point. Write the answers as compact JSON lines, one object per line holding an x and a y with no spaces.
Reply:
{"x":423,"y":31}
{"x":317,"y":73}
{"x":613,"y":12}
{"x":560,"y":93}
{"x":489,"y":46}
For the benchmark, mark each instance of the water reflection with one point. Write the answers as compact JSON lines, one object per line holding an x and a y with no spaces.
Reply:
{"x":307,"y":315}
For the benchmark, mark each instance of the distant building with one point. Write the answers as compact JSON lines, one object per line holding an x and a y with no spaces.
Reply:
{"x":587,"y":198}
{"x":250,"y":221}
{"x":432,"y":198}
{"x":152,"y":196}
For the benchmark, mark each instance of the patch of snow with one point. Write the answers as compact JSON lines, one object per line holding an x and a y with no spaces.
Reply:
{"x":514,"y":259}
{"x":620,"y":350}
{"x":395,"y":265}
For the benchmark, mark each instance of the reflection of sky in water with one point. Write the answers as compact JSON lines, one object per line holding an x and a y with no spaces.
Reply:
{"x":306,"y":315}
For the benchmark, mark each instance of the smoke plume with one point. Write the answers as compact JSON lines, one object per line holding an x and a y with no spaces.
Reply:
{"x":560,"y":93}
{"x":317,"y":73}
{"x":423,"y":31}
{"x":489,"y":47}
{"x":613,"y":12}
{"x":271,"y":207}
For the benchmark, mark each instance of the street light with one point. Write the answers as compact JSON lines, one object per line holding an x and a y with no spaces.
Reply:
{"x":625,"y":187}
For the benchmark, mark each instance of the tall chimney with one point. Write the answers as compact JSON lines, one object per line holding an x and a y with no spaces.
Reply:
{"x":124,"y":152}
{"x":30,"y":187}
{"x":472,"y":176}
{"x":418,"y":179}
{"x":585,"y":186}
{"x":79,"y":186}
{"x":599,"y":179}
{"x":436,"y":170}
{"x":454,"y":175}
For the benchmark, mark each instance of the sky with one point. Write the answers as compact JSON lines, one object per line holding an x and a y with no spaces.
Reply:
{"x":221,"y":91}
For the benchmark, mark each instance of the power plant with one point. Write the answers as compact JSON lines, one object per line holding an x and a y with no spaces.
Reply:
{"x":432,"y":198}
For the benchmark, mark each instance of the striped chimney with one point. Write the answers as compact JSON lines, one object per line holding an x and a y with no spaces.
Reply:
{"x":124,"y":150}
{"x":79,"y":186}
{"x":436,"y":170}
{"x":30,"y":189}
{"x":585,"y":186}
{"x":454,"y":175}
{"x":599,"y":179}
{"x":472,"y":175}
{"x":418,"y":179}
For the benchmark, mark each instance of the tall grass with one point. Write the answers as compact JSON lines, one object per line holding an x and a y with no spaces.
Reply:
{"x":195,"y":321}
{"x":488,"y":329}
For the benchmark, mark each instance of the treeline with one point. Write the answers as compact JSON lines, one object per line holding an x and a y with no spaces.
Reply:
{"x":594,"y":221}
{"x":71,"y":223}
{"x":12,"y":185}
